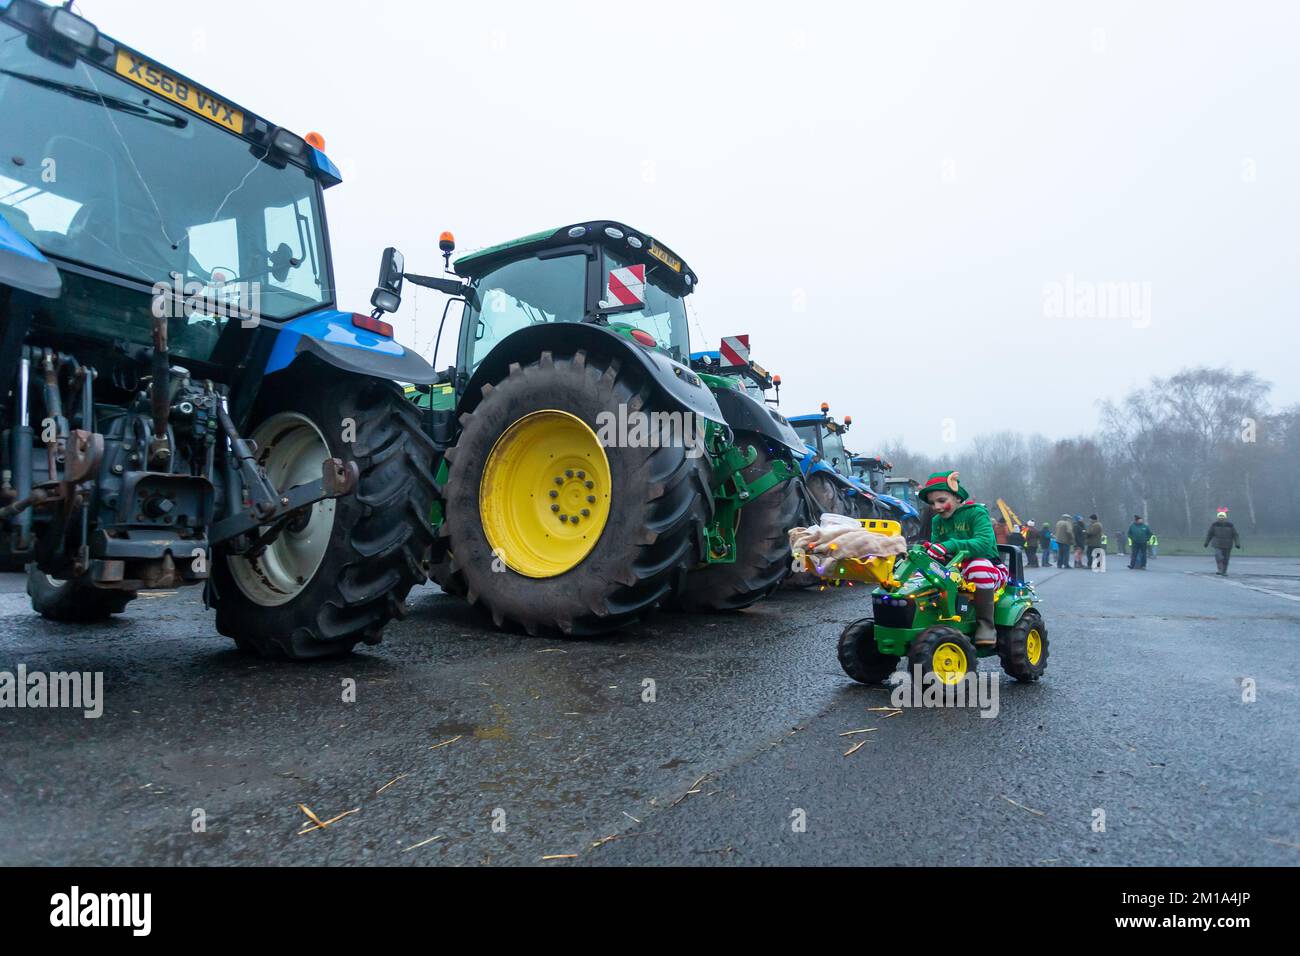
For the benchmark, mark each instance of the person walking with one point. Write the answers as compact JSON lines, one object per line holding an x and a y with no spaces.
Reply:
{"x":1138,"y":535}
{"x":1064,"y":541}
{"x":1093,"y":539}
{"x":1031,"y":542}
{"x":1000,"y":530}
{"x":1080,"y":541}
{"x":1223,"y":535}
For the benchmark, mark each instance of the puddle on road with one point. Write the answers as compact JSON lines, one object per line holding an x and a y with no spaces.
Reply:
{"x":498,"y":729}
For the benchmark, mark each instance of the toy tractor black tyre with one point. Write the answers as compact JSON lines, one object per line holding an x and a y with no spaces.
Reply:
{"x":859,"y":655}
{"x":1023,"y":647}
{"x":370,"y":546}
{"x":73,"y":603}
{"x":762,"y":542}
{"x":555,"y":530}
{"x":946,"y":647}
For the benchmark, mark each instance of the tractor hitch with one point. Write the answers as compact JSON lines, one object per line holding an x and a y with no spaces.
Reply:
{"x":338,"y":478}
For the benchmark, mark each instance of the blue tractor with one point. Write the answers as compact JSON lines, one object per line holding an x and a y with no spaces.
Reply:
{"x":183,"y":401}
{"x":841,"y":483}
{"x":902,"y":507}
{"x":826,"y":465}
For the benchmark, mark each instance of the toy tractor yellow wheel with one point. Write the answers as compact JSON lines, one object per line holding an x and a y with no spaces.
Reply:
{"x":1023,"y":647}
{"x":860,"y":657}
{"x":943,"y":651}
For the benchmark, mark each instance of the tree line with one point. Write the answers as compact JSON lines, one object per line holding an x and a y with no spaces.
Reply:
{"x":1175,"y":451}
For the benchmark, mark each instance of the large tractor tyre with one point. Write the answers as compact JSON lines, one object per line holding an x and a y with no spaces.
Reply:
{"x":911,"y":529}
{"x":860,"y":657}
{"x":944,"y":651}
{"x":1023,"y":647}
{"x":340,"y":570}
{"x":829,"y":497}
{"x":71,"y":602}
{"x":447,"y":575}
{"x":762,"y":543}
{"x":553,"y":531}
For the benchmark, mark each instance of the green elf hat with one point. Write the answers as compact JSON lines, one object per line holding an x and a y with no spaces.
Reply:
{"x":944,"y":481}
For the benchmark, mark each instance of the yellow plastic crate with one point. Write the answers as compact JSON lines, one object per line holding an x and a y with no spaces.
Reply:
{"x":869,"y":570}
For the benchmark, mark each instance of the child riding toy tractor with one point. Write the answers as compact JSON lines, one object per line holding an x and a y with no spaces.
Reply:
{"x":941,"y":607}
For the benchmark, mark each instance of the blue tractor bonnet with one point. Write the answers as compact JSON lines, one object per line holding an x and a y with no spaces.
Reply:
{"x":23,"y":267}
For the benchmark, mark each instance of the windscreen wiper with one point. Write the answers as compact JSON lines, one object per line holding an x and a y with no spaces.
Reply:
{"x":87,"y":95}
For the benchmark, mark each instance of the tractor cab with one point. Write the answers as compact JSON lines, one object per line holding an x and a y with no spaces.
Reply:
{"x":603,"y":273}
{"x":904,"y":489}
{"x":825,"y":437}
{"x":873,"y":470}
{"x":144,"y":190}
{"x":740,"y":372}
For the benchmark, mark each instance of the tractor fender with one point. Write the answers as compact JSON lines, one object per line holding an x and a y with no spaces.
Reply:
{"x":901,"y":506}
{"x":821,"y":468}
{"x":744,"y":413}
{"x":861,"y":489}
{"x":1009,"y":613}
{"x":331,"y":337}
{"x":675,"y":384}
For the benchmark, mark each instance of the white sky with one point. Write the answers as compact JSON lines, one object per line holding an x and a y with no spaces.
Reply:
{"x":909,"y":175}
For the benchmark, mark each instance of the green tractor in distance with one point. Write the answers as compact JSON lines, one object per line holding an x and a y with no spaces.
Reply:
{"x":587,"y":474}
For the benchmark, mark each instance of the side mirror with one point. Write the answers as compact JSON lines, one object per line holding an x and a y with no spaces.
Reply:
{"x":387,"y":296}
{"x":281,"y":262}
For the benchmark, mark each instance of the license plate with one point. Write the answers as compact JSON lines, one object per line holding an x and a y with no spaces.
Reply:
{"x":152,"y":77}
{"x":664,"y":256}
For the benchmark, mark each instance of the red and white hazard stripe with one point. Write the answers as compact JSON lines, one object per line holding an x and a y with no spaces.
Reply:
{"x":735,"y":350}
{"x":626,"y":286}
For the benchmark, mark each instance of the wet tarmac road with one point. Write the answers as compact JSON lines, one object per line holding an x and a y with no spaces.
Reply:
{"x":468,"y":746}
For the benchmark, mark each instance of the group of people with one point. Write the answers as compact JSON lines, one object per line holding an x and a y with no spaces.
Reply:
{"x":1078,"y":544}
{"x":1070,"y":538}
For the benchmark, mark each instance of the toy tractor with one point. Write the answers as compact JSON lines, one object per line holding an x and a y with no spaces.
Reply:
{"x":183,"y":403}
{"x":588,"y":474}
{"x":924,"y":612}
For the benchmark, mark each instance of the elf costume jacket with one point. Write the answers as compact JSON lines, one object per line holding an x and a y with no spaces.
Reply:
{"x":968,"y":529}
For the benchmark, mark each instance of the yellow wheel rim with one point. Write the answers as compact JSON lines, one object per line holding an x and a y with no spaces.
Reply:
{"x":1034,"y":647}
{"x":949,"y":663}
{"x":544,"y":495}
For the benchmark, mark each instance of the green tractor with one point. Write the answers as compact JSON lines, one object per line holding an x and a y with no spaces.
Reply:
{"x":924,"y":612}
{"x":587,"y":474}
